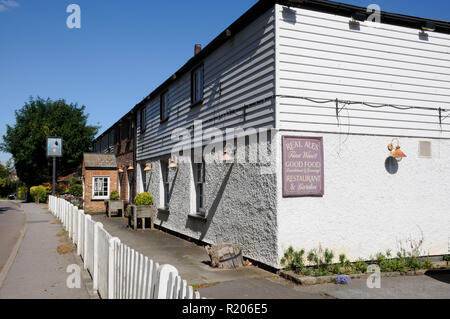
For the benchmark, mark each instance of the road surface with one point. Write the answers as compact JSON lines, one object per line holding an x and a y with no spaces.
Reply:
{"x":12,"y":220}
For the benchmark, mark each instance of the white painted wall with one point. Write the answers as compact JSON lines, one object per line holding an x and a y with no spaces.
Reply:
{"x":365,"y":209}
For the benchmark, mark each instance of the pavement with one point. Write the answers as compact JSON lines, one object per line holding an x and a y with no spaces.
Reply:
{"x":251,"y":282}
{"x":37,"y":270}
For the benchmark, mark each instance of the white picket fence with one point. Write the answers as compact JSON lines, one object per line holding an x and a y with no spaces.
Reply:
{"x":118,"y":272}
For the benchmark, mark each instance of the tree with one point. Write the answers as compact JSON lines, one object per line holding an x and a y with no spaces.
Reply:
{"x":27,"y":139}
{"x":8,"y":180}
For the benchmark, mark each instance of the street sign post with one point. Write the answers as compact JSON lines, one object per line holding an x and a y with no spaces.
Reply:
{"x":54,"y":149}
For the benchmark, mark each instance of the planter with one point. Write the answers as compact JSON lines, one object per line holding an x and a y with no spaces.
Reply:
{"x":114,"y":206}
{"x":141,"y":212}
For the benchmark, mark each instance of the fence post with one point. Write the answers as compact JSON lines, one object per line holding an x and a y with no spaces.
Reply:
{"x":70,"y":219}
{"x":85,"y":249}
{"x":79,"y":231}
{"x":97,"y":226}
{"x":75,"y":225}
{"x":112,"y":267}
{"x":162,"y":282}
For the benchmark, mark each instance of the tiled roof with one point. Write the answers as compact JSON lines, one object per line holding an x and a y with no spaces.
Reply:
{"x":97,"y":160}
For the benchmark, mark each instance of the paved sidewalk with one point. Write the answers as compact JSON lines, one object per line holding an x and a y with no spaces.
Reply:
{"x":39,"y":271}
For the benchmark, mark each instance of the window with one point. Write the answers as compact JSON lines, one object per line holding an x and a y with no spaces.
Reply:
{"x":100,"y":187}
{"x":199,"y":171}
{"x":197,"y":85}
{"x":165,"y":182}
{"x":143,"y":120}
{"x":164,"y":106}
{"x":130,"y":129}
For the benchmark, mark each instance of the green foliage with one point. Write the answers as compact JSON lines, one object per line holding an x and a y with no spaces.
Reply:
{"x":22,"y":192}
{"x":321,"y":262}
{"x":114,"y":195}
{"x":405,"y":261}
{"x":8,"y":183}
{"x":37,"y":120}
{"x":447,"y":258}
{"x":76,"y":190}
{"x":428,"y":264}
{"x":39,"y":192}
{"x":143,"y":199}
{"x":294,"y":260}
{"x":75,"y":180}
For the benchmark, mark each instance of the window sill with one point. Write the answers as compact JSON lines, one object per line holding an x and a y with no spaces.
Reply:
{"x":198,"y":216}
{"x":196,"y":103}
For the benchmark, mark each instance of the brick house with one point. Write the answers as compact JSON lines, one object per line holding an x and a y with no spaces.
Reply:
{"x":99,"y":178}
{"x":119,"y":140}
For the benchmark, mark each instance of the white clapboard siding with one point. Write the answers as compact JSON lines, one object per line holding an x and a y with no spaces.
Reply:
{"x":320,"y":57}
{"x":240,"y":72}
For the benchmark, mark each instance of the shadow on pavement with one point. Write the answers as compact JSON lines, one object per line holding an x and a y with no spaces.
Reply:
{"x":440,"y":275}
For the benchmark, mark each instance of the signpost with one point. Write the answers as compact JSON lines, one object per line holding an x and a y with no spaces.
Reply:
{"x":302,"y":166}
{"x":54,"y":149}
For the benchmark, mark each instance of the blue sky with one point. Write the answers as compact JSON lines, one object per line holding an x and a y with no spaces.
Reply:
{"x":123,"y":50}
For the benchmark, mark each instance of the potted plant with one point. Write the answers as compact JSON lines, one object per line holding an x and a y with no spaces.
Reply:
{"x":114,"y":203}
{"x":143,"y":208}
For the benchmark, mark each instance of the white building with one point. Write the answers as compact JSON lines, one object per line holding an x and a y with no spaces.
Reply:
{"x":316,"y":69}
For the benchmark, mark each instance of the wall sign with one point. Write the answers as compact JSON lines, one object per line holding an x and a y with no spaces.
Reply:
{"x":54,"y":146}
{"x":302,"y":166}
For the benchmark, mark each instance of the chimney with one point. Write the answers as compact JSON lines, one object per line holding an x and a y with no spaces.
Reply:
{"x":198,"y":48}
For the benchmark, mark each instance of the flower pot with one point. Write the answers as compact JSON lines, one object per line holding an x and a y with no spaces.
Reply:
{"x":141,"y":212}
{"x":114,"y":206}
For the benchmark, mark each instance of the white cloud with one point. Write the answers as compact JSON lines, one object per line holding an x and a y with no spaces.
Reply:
{"x":7,"y":4}
{"x":10,"y":3}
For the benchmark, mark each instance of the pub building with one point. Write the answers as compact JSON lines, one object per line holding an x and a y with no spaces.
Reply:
{"x":354,"y":113}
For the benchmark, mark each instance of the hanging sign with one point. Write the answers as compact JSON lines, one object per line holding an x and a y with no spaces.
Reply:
{"x":54,"y":146}
{"x":302,"y":166}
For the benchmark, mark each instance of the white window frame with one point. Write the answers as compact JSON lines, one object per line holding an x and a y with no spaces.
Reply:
{"x":108,"y":178}
{"x":199,"y":182}
{"x":164,"y":200}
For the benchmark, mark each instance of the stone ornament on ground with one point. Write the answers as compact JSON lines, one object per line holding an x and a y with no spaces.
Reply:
{"x":226,"y":256}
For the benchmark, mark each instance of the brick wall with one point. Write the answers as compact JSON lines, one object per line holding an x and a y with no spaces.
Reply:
{"x":97,"y":206}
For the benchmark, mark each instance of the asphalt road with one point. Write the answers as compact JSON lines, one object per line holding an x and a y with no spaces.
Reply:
{"x":12,"y":220}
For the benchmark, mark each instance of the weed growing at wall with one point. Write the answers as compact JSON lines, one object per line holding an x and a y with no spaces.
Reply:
{"x":321,"y":262}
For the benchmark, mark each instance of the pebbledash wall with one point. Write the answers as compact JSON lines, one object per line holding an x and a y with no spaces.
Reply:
{"x":293,"y":53}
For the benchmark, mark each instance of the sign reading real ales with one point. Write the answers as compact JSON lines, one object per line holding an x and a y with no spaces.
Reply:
{"x":302,"y":166}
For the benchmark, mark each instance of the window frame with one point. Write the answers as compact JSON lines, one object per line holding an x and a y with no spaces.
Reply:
{"x":142,"y":119}
{"x":165,"y":182}
{"x":195,"y":102}
{"x":164,"y":107}
{"x":101,"y":197}
{"x":199,"y":180}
